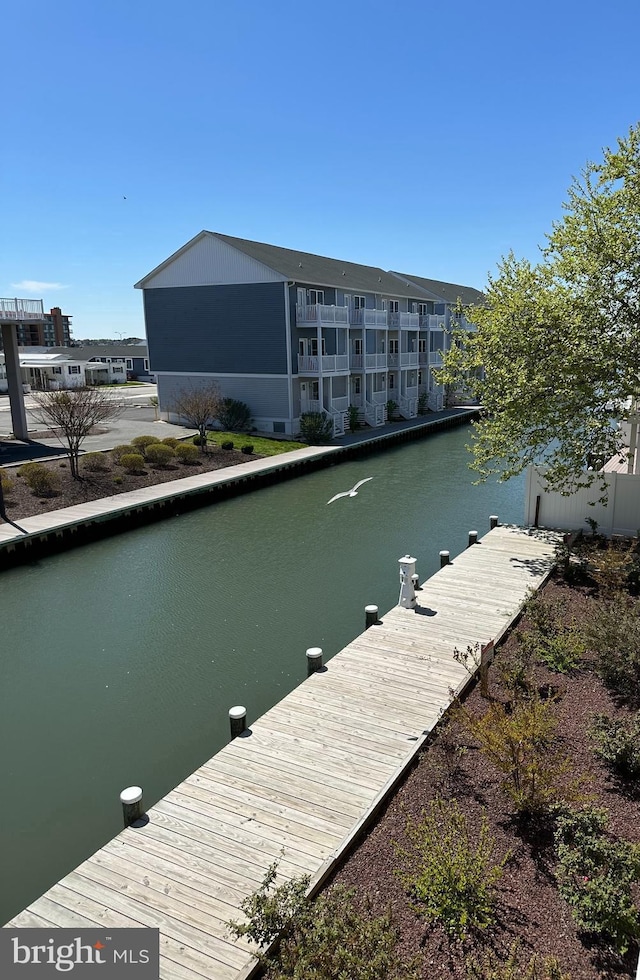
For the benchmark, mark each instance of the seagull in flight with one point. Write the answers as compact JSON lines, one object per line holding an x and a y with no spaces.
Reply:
{"x":350,"y":493}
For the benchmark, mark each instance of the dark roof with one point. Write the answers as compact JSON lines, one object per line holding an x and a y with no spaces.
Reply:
{"x":450,"y":292}
{"x":305,"y":267}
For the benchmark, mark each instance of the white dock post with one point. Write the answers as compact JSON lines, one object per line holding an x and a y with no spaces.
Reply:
{"x":493,"y":521}
{"x":314,"y":660}
{"x":131,"y":799}
{"x":237,"y":720}
{"x":407,"y":592}
{"x":370,"y":616}
{"x":444,"y":558}
{"x":473,"y":538}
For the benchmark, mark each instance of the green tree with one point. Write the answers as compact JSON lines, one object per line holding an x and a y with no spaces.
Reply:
{"x":556,"y":353}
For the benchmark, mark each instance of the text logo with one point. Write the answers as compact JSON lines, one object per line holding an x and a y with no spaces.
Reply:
{"x":81,"y":954}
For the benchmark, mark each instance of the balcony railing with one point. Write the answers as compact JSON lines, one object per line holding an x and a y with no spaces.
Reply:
{"x":409,"y":321}
{"x":319,"y":313}
{"x":310,"y":405}
{"x":18,"y":310}
{"x":423,"y":357}
{"x":380,"y":397}
{"x":369,"y":318}
{"x":409,"y":359}
{"x":375,"y":361}
{"x":355,"y":361}
{"x":340,"y":404}
{"x":328,"y":363}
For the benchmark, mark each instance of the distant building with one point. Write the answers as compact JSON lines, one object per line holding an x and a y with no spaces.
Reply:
{"x":53,"y":330}
{"x":46,"y":368}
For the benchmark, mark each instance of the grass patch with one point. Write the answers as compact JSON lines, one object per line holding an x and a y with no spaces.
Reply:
{"x":261,"y":446}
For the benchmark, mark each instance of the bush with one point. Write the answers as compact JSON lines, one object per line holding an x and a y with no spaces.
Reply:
{"x":95,"y":462}
{"x":595,"y":876}
{"x":187,"y":453}
{"x":117,"y":480}
{"x":315,"y":427}
{"x":613,"y":633}
{"x":618,"y":744}
{"x":549,"y":637}
{"x":448,"y":873}
{"x":142,"y":442}
{"x":353,"y":415}
{"x":7,"y":483}
{"x":247,"y":450}
{"x":392,"y":408}
{"x":514,"y":968}
{"x":329,"y":938}
{"x":234,"y":415}
{"x":227,"y":444}
{"x":423,"y":402}
{"x":119,"y":451}
{"x":199,"y":441}
{"x":132,"y":462}
{"x":171,"y":441}
{"x":159,"y":455}
{"x":38,"y":478}
{"x":610,"y":568}
{"x":520,"y":744}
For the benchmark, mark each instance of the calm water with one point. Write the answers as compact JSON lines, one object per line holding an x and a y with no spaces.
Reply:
{"x":121,"y":659}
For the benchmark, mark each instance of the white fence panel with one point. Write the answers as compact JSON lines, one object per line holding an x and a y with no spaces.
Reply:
{"x":621,"y":514}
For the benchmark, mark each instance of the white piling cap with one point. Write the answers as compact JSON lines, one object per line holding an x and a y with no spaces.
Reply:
{"x":132,"y":794}
{"x":238,"y":711}
{"x":442,"y":553}
{"x":407,"y":559}
{"x":371,"y":609}
{"x":314,"y":652}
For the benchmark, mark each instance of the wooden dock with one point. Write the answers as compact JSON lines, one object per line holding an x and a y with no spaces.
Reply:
{"x":302,"y":782}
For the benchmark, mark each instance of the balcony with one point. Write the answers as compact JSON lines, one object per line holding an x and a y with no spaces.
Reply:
{"x":322,"y":314}
{"x":327,"y":364}
{"x":355,"y":362}
{"x":406,"y":321}
{"x":369,"y":318}
{"x":373,"y":361}
{"x":409,"y":359}
{"x":21,"y":310}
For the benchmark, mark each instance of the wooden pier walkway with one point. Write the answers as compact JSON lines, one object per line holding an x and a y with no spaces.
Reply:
{"x":299,"y":785}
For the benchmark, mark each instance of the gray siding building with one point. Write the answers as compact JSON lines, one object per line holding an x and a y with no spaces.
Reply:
{"x":289,"y":332}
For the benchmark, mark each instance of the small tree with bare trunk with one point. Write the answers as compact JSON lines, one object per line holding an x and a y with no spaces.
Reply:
{"x":198,"y":406}
{"x":72,"y":413}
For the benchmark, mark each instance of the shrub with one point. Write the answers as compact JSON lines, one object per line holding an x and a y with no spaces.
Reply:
{"x":170,"y":441}
{"x":142,"y":442}
{"x":595,"y":875}
{"x":315,"y":427}
{"x":132,"y":462}
{"x":520,"y":744}
{"x":234,"y":415}
{"x":423,"y":401}
{"x":247,"y":450}
{"x":227,"y":444}
{"x":448,"y":873}
{"x":618,"y":744}
{"x":353,"y":415}
{"x":324,"y":939}
{"x":514,"y":968}
{"x":38,"y":478}
{"x":159,"y":455}
{"x":613,"y":633}
{"x":199,"y":441}
{"x":119,"y":451}
{"x":7,"y":483}
{"x":610,"y":568}
{"x":187,"y":453}
{"x":95,"y":462}
{"x":549,"y":636}
{"x":117,"y":480}
{"x":392,"y":408}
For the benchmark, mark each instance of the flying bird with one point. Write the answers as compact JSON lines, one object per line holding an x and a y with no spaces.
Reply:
{"x":350,"y":493}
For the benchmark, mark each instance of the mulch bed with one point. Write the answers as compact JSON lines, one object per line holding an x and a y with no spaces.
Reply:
{"x":530,"y":908}
{"x":21,"y":502}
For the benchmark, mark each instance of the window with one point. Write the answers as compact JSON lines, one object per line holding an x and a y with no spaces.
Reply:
{"x":129,"y":364}
{"x":393,"y":346}
{"x":278,"y":427}
{"x":315,"y":296}
{"x":118,"y":370}
{"x":422,"y":346}
{"x":359,"y":302}
{"x":73,"y":369}
{"x":356,"y":386}
{"x":392,"y":381}
{"x":146,"y":363}
{"x":422,"y":309}
{"x":393,"y":305}
{"x":357,"y":345}
{"x":419,"y":377}
{"x":57,"y":370}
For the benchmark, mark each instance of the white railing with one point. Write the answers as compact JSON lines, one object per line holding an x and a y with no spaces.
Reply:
{"x":435,"y":357}
{"x":374,"y":414}
{"x":21,"y":309}
{"x":408,"y":407}
{"x":370,"y":318}
{"x":310,"y":364}
{"x":375,"y":360}
{"x":310,"y":405}
{"x":435,"y":401}
{"x":379,"y":397}
{"x":319,"y":313}
{"x":340,"y":404}
{"x":407,"y":320}
{"x":393,"y":360}
{"x":356,"y":400}
{"x":355,"y":360}
{"x":409,"y":359}
{"x":437,"y":321}
{"x":411,"y":391}
{"x":423,"y":357}
{"x":338,"y":423}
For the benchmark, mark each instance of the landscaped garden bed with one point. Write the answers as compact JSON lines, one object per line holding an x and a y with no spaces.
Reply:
{"x":50,"y":486}
{"x":512,"y":848}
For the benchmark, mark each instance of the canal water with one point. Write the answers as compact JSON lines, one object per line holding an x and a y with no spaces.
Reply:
{"x":120,"y":660}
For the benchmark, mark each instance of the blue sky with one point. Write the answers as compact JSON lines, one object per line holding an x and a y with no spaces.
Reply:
{"x":425,"y":137}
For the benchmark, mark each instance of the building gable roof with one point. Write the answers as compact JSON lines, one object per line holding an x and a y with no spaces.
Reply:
{"x":449,"y":292}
